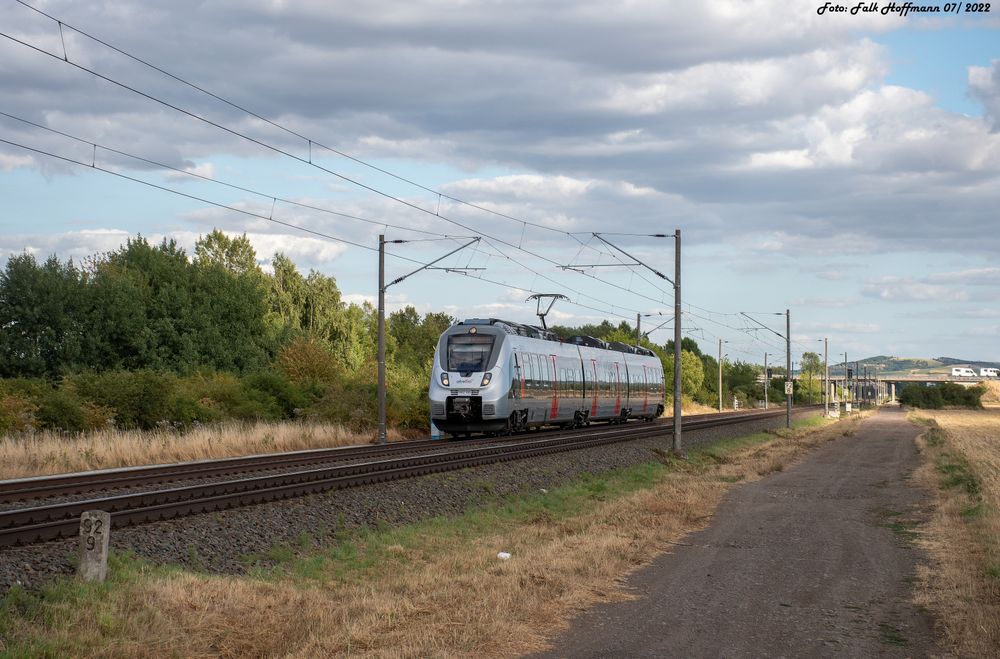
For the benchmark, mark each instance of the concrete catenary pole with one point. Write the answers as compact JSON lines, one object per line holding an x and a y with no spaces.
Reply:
{"x":788,"y":364}
{"x":381,"y":339}
{"x":844,"y":391}
{"x":677,"y":341}
{"x":720,"y":375}
{"x":857,"y":381}
{"x":826,"y":377}
{"x":767,"y":381}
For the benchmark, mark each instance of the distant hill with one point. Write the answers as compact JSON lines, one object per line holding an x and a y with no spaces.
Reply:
{"x":910,"y":365}
{"x":951,"y":361}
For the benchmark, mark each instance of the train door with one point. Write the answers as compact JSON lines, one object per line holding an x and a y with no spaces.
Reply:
{"x":529,"y":363}
{"x":645,"y":390}
{"x":554,"y":410}
{"x":595,"y":388}
{"x":516,"y":376}
{"x":617,"y":384}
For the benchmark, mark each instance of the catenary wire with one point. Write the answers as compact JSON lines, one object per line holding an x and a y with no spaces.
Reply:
{"x":279,"y":126}
{"x":261,"y":216}
{"x":304,"y":161}
{"x":333,"y":150}
{"x":233,"y":186}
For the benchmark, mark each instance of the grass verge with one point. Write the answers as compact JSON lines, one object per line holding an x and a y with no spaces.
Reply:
{"x":435,"y":588}
{"x":962,"y":585}
{"x":50,"y":452}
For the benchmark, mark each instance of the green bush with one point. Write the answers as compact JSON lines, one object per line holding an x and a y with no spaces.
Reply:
{"x":306,"y":360}
{"x":406,"y":398}
{"x":187,"y":410}
{"x":353,"y":403}
{"x":59,"y":409}
{"x":254,"y":404}
{"x":26,"y":388}
{"x":17,"y":414}
{"x":139,"y":399}
{"x":289,"y":396}
{"x":946,"y":394}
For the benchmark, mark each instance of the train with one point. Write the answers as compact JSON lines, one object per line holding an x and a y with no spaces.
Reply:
{"x":496,"y":377}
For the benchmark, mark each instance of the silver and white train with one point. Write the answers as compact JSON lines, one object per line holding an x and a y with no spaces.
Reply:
{"x":496,"y":376}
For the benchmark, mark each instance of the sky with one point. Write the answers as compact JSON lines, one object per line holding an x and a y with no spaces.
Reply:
{"x":845,"y":167}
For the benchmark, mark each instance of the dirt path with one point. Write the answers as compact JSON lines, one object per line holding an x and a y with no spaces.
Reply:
{"x":814,"y":561}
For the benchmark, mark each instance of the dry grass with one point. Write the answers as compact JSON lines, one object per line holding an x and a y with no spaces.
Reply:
{"x":437,"y":589}
{"x":962,"y":587}
{"x":992,"y":395}
{"x":688,"y":406}
{"x":49,"y":452}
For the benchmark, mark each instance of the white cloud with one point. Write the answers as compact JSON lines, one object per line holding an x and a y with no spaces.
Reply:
{"x":990,"y":331}
{"x":825,"y":302}
{"x":974,"y":276}
{"x":79,"y":245}
{"x":984,"y":85}
{"x":905,"y":289}
{"x":393,"y":302}
{"x":10,"y":162}
{"x":825,"y":328}
{"x":76,"y":245}
{"x":206,"y":170}
{"x":795,"y":82}
{"x":359,"y":299}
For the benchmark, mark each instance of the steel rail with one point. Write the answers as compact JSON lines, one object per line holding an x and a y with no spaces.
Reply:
{"x":47,"y":522}
{"x":39,"y":487}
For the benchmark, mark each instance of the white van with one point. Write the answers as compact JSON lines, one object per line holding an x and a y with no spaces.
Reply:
{"x":962,"y":371}
{"x":990,"y":372}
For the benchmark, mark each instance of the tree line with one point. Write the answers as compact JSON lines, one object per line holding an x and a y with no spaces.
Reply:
{"x":146,"y":335}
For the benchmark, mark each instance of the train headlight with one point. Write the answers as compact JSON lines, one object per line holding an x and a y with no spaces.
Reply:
{"x":444,"y":379}
{"x":486,"y":379}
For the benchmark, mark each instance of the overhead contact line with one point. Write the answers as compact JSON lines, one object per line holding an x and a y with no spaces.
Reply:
{"x":288,"y":154}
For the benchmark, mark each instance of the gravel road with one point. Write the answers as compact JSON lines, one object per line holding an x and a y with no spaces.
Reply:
{"x":233,"y":540}
{"x":815,"y":561}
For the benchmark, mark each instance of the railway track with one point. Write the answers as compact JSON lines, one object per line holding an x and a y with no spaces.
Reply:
{"x":47,"y":521}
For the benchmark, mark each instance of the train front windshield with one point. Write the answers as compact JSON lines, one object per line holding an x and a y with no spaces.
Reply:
{"x":469,"y":352}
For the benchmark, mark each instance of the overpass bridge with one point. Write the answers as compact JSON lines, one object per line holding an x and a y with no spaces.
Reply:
{"x":885,"y":386}
{"x":934,"y":378}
